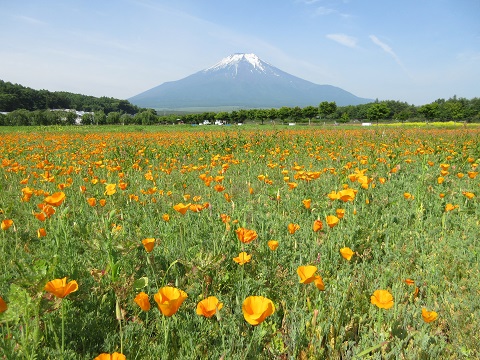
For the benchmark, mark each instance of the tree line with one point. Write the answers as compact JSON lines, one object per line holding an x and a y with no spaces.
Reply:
{"x":25,"y":106}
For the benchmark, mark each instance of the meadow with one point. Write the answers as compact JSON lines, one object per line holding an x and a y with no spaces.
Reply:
{"x":239,"y":243}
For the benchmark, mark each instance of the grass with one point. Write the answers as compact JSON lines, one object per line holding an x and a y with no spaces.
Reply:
{"x":394,"y":238}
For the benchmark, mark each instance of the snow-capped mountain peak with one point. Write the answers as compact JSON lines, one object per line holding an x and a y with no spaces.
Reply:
{"x":235,"y":60}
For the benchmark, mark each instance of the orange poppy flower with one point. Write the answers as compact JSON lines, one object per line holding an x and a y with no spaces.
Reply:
{"x":346,"y":195}
{"x":292,"y":228}
{"x":49,"y":210}
{"x":440,"y":179}
{"x":333,"y":195}
{"x":209,"y":306}
{"x":195,"y":207}
{"x":92,"y":201}
{"x":181,"y":208}
{"x":306,"y":273}
{"x":307,"y":203}
{"x":409,"y":282}
{"x":317,"y":225}
{"x":219,"y":188}
{"x":148,"y":244}
{"x":41,"y":232}
{"x":292,"y":185}
{"x":60,"y":288}
{"x":245,"y":235}
{"x":450,"y":207}
{"x":227,"y":197}
{"x":256,"y":309}
{"x":114,"y":356}
{"x":319,"y":283}
{"x":340,"y":213}
{"x":273,"y":245}
{"x":40,"y":216}
{"x":55,"y":199}
{"x":169,"y":299}
{"x":110,"y":189}
{"x":242,"y":258}
{"x":429,"y":316}
{"x":472,"y":174}
{"x":460,"y":175}
{"x":468,"y":195}
{"x":142,"y":300}
{"x":408,"y":196}
{"x":382,"y":298}
{"x":3,"y":305}
{"x":332,"y":221}
{"x":122,"y":185}
{"x":6,"y":224}
{"x":346,"y":253}
{"x":166,"y":217}
{"x":102,"y":202}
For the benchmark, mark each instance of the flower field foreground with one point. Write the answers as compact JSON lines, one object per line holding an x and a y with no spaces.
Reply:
{"x":234,"y":243}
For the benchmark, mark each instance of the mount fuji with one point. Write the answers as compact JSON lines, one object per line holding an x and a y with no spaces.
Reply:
{"x":242,"y":81}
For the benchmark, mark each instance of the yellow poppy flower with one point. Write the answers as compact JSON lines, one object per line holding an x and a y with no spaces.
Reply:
{"x":317,"y":225}
{"x":181,"y":208}
{"x":292,"y":228}
{"x":332,"y":221}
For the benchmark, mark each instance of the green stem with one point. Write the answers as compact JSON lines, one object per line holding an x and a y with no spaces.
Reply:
{"x":63,"y":326}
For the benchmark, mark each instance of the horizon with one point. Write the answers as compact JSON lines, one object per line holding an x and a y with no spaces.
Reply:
{"x":427,"y":51}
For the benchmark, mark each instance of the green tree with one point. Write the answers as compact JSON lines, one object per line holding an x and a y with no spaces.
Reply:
{"x":327,"y":108}
{"x":378,"y":111}
{"x":310,"y":112}
{"x":429,"y":111}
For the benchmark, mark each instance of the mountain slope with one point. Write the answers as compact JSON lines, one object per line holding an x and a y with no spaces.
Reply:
{"x":242,"y":80}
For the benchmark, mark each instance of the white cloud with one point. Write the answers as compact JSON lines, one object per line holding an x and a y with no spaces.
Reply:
{"x":343,"y":39}
{"x":390,"y":52}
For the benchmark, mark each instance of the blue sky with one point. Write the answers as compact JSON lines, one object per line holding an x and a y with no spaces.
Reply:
{"x":410,"y":50}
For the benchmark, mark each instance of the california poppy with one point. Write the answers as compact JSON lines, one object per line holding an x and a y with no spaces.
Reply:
{"x":346,"y":253}
{"x":319,"y":283}
{"x":169,"y":299}
{"x":382,"y":298}
{"x":340,"y":213}
{"x":148,"y":244}
{"x":450,"y":207}
{"x":242,"y":258}
{"x":468,"y":195}
{"x":307,"y":203}
{"x":209,"y":306}
{"x":273,"y":244}
{"x":306,"y":273}
{"x":409,"y":282}
{"x":292,"y":228}
{"x":429,"y":316}
{"x":166,"y":217}
{"x":245,"y":235}
{"x":55,"y":199}
{"x":181,"y":208}
{"x":256,"y":309}
{"x":332,"y":221}
{"x":114,"y":356}
{"x":346,"y":195}
{"x":317,"y":225}
{"x":6,"y":224}
{"x":142,"y":300}
{"x":60,"y":288}
{"x":41,"y":232}
{"x":3,"y":305}
{"x":92,"y":201}
{"x":110,"y":189}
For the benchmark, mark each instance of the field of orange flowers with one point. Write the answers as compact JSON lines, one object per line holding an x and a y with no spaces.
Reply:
{"x":240,"y":243}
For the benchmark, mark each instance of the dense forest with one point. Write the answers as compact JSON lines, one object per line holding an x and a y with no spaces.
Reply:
{"x":24,"y":106}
